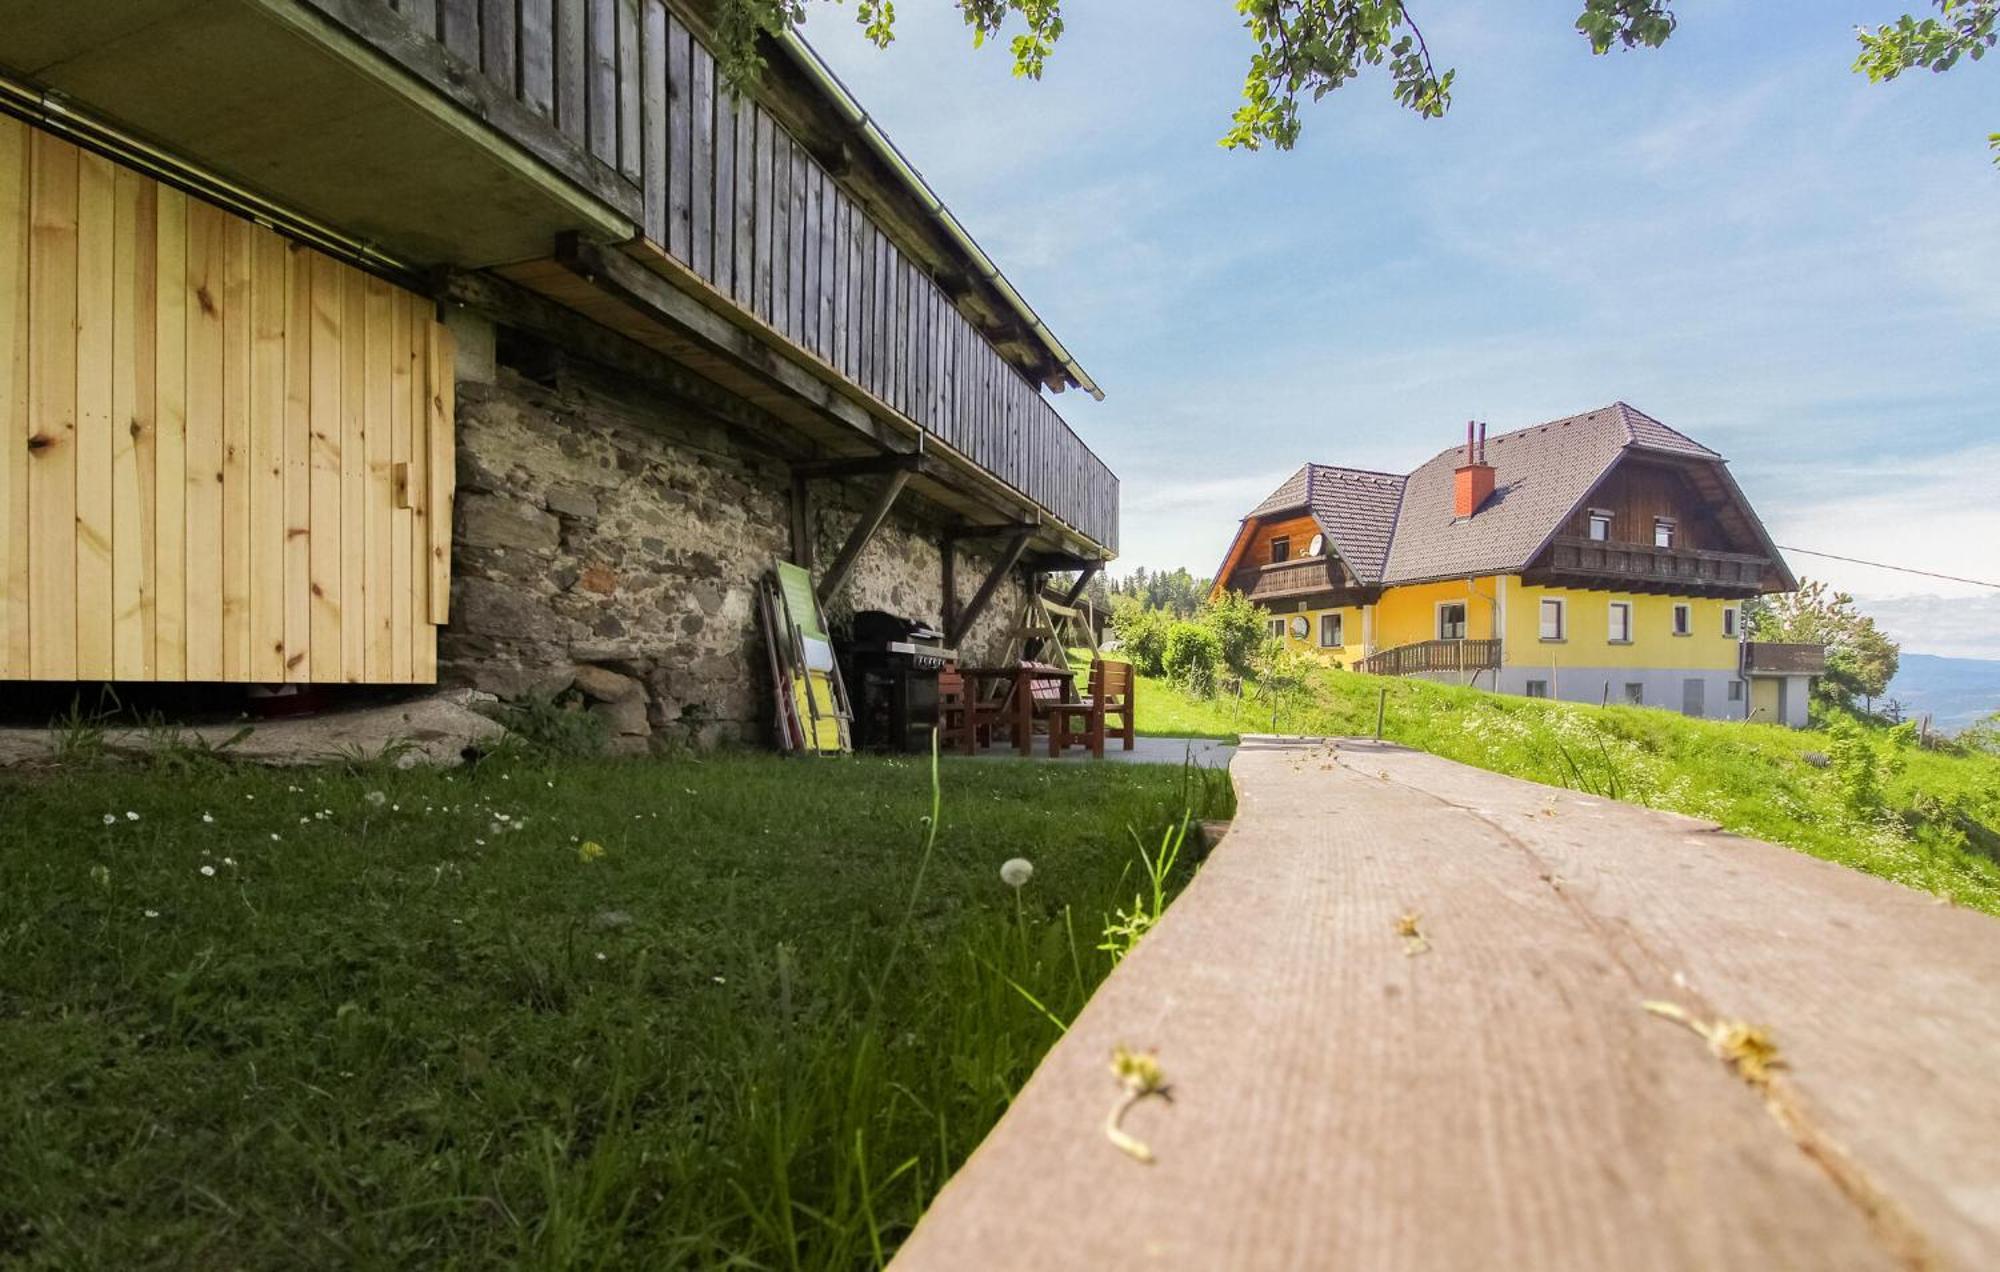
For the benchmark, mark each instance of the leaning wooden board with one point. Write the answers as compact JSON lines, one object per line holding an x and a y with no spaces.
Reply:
{"x":1501,"y":1099}
{"x":210,"y":440}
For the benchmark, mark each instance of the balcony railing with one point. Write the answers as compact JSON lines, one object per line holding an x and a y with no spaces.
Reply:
{"x":1777,"y":658}
{"x":1433,"y":656}
{"x":1644,"y":564}
{"x":1280,"y":579}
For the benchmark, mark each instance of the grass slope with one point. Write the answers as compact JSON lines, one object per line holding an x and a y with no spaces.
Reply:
{"x":1934,"y":809}
{"x":378,"y":1018}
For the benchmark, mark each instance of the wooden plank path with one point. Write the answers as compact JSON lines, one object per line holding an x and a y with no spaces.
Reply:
{"x":1501,"y":1099}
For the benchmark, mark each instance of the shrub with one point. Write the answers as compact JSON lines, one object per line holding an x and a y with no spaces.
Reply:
{"x":1142,"y":634}
{"x":1193,"y":655}
{"x":1240,"y":627}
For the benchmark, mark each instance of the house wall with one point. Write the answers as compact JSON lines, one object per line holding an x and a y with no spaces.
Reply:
{"x":1587,"y":642}
{"x":1635,"y":493}
{"x":609,"y":541}
{"x":1346,"y":654}
{"x":1405,"y":615}
{"x":1299,"y":529}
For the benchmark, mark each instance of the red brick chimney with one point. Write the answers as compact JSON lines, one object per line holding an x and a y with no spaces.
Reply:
{"x":1472,"y":482}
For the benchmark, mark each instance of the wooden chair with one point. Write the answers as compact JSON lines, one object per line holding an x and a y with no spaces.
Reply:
{"x":1085,"y":721}
{"x":965,"y":724}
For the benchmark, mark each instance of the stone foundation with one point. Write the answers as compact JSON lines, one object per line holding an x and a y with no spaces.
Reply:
{"x":609,"y":540}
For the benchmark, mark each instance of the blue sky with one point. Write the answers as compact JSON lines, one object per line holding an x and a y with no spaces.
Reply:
{"x":1734,"y":233}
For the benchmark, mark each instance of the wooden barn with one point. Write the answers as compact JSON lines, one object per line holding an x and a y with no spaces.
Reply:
{"x":396,"y":341}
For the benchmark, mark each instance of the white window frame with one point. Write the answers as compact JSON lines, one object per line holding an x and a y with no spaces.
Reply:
{"x":1614,"y":631}
{"x":1598,"y":517}
{"x":1668,"y":528}
{"x":1732,"y":622}
{"x":1562,"y":618}
{"x":1683,"y":619}
{"x":1339,"y":622}
{"x":1464,"y":619}
{"x":1276,"y":627}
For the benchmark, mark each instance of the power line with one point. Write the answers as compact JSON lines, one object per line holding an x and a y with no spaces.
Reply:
{"x":1900,"y":569}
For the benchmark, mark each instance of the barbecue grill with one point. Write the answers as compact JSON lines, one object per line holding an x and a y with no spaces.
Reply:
{"x":893,"y":666}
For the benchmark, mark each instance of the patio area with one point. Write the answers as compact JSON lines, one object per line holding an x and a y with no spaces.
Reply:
{"x":1207,"y":752}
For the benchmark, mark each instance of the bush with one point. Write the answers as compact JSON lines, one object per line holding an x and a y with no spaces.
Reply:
{"x":1142,"y":634}
{"x":1193,"y":655}
{"x":1240,"y":628}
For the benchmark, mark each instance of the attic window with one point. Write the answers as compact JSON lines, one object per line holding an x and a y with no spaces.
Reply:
{"x":1281,"y":549}
{"x":1600,"y":525}
{"x":1663,"y":532}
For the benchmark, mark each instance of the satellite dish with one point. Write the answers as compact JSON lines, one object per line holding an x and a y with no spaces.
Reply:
{"x":1300,"y":627}
{"x":1317,"y":546}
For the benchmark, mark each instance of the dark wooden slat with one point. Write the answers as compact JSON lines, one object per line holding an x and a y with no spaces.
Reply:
{"x":497,"y":43}
{"x":795,"y":248}
{"x":745,"y":202}
{"x":631,"y":87}
{"x":571,"y":58}
{"x":537,"y":56}
{"x":766,"y":194}
{"x":458,"y":28}
{"x":723,"y":228}
{"x":601,"y":89}
{"x":680,"y":142}
{"x":781,"y":232}
{"x":701,"y":161}
{"x":421,"y":14}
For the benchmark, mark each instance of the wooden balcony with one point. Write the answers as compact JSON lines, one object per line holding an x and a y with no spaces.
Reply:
{"x":1426,"y":656}
{"x":1777,"y":658}
{"x":1574,"y":561}
{"x":1289,"y":580}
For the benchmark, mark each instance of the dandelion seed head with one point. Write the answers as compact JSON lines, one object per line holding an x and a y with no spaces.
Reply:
{"x":208,"y":872}
{"x":1016,"y":871}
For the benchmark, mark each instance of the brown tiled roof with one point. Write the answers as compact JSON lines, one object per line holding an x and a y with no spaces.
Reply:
{"x":1391,"y":529}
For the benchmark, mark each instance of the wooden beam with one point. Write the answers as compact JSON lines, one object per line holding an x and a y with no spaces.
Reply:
{"x":867,"y":466}
{"x":958,"y":534}
{"x":1083,"y":579}
{"x":857,"y":539}
{"x":977,"y":606}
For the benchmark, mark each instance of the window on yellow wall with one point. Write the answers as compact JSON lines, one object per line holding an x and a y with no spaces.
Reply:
{"x":1620,"y":632}
{"x":1451,"y":621}
{"x":1683,"y":620}
{"x":1276,"y":627}
{"x":1552,"y":619}
{"x":1330,"y":631}
{"x":1729,"y":621}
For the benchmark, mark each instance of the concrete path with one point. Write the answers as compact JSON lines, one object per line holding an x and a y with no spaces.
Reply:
{"x":1401,"y":1013}
{"x":1207,"y":752}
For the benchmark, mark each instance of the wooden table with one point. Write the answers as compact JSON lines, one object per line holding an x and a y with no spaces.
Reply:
{"x":1017,"y":693}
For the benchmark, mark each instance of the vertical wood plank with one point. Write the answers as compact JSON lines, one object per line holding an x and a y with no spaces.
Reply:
{"x":723,"y":225}
{"x":701,"y":160}
{"x":537,"y":56}
{"x":52,"y":411}
{"x":170,"y":313}
{"x":809,"y":256}
{"x":402,"y":313}
{"x":15,"y":195}
{"x":496,"y":42}
{"x":206,"y":272}
{"x":760,"y":291}
{"x":329,"y":314}
{"x":571,"y":76}
{"x":96,"y":229}
{"x":298,"y":462}
{"x":823,"y":220}
{"x":458,"y":28}
{"x":133,"y":314}
{"x":631,"y":80}
{"x":442,"y":412}
{"x":353,"y":474}
{"x":269,"y":422}
{"x":602,"y":87}
{"x":422,"y":15}
{"x":378,"y":608}
{"x":781,"y":232}
{"x":236,"y":332}
{"x":857,"y":343}
{"x":423,"y":637}
{"x":838,"y":207}
{"x":744,"y":238}
{"x":653,"y":119}
{"x":680,"y":141}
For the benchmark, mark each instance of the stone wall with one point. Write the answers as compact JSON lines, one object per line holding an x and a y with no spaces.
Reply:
{"x":609,"y":540}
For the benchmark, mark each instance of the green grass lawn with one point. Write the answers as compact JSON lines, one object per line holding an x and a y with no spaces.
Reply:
{"x":258,"y":1019}
{"x":1751,"y":778}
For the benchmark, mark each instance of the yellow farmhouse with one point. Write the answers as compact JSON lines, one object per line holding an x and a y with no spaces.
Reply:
{"x":1602,"y":557}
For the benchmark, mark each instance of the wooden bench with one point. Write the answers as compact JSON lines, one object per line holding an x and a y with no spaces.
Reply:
{"x":1085,"y":721}
{"x":965,"y":723}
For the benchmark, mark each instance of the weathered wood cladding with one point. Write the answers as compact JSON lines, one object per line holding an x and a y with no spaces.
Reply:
{"x":223,"y":450}
{"x":729,"y":192}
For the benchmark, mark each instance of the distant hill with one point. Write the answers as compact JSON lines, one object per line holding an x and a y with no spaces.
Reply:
{"x":1956,"y":691}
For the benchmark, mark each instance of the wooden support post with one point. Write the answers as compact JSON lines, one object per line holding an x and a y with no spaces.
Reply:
{"x":802,"y":536}
{"x":1083,"y":578}
{"x":977,"y":606}
{"x":864,"y":530}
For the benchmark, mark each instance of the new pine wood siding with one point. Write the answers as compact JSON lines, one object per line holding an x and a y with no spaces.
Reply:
{"x":729,"y":193}
{"x":221,"y":455}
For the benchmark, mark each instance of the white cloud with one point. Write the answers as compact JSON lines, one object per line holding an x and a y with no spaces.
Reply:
{"x":1951,"y":626}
